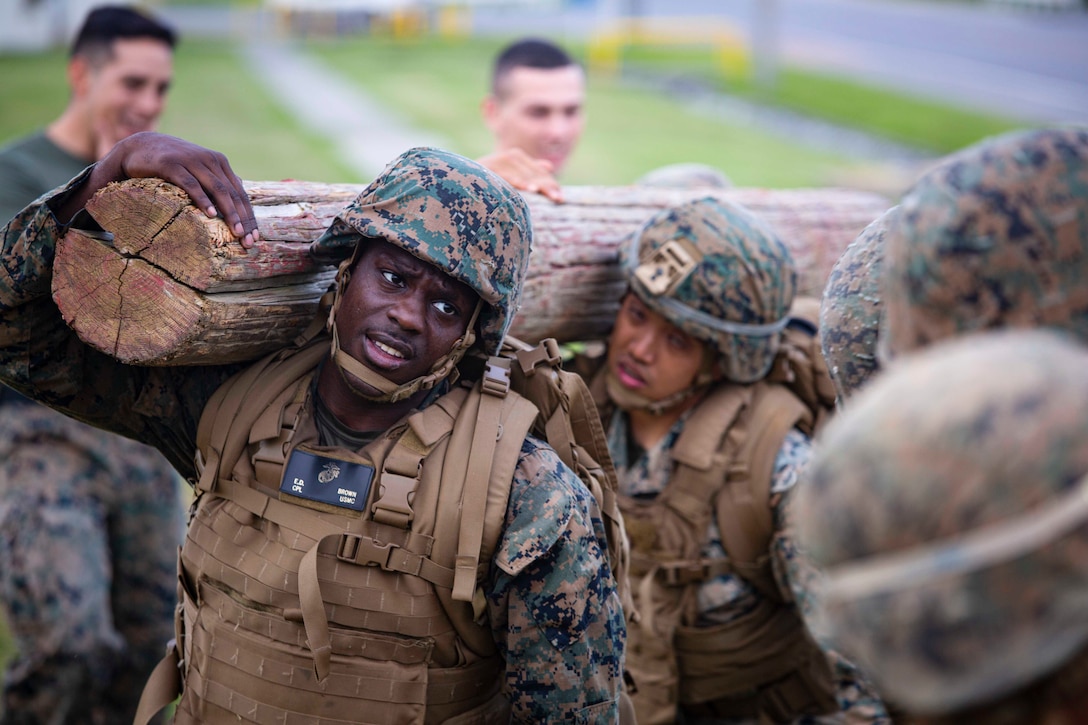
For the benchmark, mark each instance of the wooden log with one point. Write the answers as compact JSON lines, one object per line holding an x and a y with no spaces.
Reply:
{"x":168,"y":286}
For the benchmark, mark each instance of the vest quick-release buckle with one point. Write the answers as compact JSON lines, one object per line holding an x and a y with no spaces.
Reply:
{"x":679,"y":575}
{"x":394,"y":505}
{"x":546,"y":353}
{"x":496,"y":379}
{"x":364,"y":551}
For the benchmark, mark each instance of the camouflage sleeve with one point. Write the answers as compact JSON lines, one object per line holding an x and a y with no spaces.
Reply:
{"x":552,"y":600}
{"x":858,"y":698}
{"x":41,"y":357}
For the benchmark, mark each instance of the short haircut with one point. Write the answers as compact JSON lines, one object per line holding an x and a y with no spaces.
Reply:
{"x":528,"y":53}
{"x":108,"y":23}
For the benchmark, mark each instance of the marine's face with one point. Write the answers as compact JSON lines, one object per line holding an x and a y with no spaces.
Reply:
{"x":539,"y":110}
{"x":400,"y":315}
{"x":651,"y":356}
{"x":126,"y":93}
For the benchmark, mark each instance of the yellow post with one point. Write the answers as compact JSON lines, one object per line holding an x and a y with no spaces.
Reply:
{"x":604,"y":52}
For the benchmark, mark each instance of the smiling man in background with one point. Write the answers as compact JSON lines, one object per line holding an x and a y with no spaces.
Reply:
{"x":119,"y":71}
{"x":89,"y":521}
{"x":536,"y":113}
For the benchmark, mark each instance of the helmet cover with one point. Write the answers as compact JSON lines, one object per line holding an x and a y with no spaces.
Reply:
{"x":995,"y":236}
{"x":947,"y":506}
{"x":850,"y":309}
{"x":719,"y":273}
{"x":452,"y":212}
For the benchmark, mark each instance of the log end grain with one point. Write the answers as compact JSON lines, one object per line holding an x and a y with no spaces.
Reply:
{"x":120,"y":305}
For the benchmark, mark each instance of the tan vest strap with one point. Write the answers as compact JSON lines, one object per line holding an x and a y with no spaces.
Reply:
{"x":359,"y":549}
{"x":495,"y":384}
{"x":778,"y":412}
{"x":313,"y":614}
{"x":746,"y":501}
{"x":399,"y":480}
{"x":683,"y":573}
{"x":588,"y":427}
{"x":403,"y":466}
{"x":704,"y":453}
{"x":704,"y":434}
{"x":271,"y":423}
{"x":162,"y":688}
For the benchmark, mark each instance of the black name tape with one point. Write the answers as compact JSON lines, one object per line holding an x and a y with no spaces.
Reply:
{"x":330,"y":481}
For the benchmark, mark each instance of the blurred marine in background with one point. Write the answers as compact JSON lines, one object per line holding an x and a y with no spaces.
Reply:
{"x":536,"y":113}
{"x":947,"y":500}
{"x":89,"y":521}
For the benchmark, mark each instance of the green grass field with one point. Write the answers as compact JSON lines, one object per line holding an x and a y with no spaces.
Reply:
{"x":214,"y":102}
{"x":437,"y":84}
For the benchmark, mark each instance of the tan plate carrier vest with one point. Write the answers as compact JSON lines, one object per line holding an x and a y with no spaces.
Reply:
{"x":765,"y":664}
{"x":300,"y":612}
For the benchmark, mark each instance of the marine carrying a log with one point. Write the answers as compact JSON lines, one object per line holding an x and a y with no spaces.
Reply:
{"x":162,"y":284}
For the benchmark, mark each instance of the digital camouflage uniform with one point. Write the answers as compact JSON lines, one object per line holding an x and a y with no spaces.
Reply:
{"x":850,"y":309}
{"x":932,"y":496}
{"x":995,"y":236}
{"x":735,"y":298}
{"x":89,"y":528}
{"x":563,"y":645}
{"x":947,"y":504}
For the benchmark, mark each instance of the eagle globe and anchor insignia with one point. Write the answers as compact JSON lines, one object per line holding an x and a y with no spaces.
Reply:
{"x":316,"y":480}
{"x":329,"y":472}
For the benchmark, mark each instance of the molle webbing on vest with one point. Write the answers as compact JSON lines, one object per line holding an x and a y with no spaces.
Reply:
{"x":247,"y":391}
{"x":280,"y":676}
{"x":723,"y":661}
{"x":333,"y":597}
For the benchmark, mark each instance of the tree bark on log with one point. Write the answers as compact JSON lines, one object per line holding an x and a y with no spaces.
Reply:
{"x":166,"y":285}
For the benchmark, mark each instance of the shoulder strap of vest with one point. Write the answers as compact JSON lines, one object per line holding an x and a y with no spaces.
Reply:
{"x":494,"y":385}
{"x":702,"y":453}
{"x":744,"y":508}
{"x":801,"y":367}
{"x":566,"y":417}
{"x":725,"y":462}
{"x":229,"y":417}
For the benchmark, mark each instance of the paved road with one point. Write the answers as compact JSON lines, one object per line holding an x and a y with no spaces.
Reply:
{"x":1031,"y":65}
{"x":367,"y":134}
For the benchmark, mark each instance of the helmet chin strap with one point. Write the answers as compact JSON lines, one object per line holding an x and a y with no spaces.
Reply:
{"x":628,"y":400}
{"x":353,"y":370}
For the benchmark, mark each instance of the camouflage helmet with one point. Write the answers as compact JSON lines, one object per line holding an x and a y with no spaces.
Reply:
{"x":452,"y":212}
{"x":850,"y":309}
{"x":947,"y":506}
{"x":995,"y":236}
{"x":686,"y":176}
{"x":716,"y":271}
